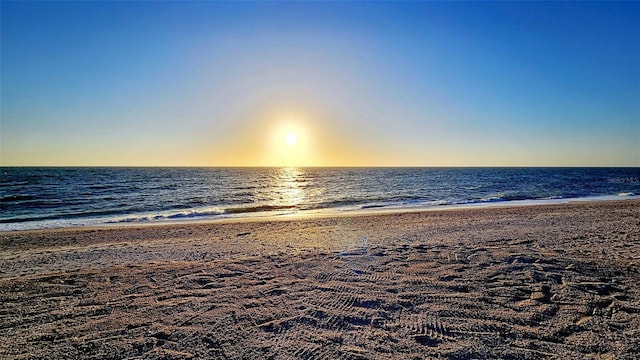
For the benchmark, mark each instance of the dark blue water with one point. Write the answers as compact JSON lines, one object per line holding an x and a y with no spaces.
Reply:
{"x":55,"y":197}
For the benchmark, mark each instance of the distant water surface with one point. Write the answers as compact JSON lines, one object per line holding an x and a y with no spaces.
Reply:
{"x":58,"y":197}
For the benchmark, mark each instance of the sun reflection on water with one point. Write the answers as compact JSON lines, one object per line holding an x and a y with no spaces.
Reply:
{"x":288,"y":187}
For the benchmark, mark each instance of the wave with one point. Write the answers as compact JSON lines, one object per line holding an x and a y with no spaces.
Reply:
{"x":624,"y":194}
{"x":172,"y":215}
{"x":79,"y":216}
{"x":372,"y":206}
{"x":259,"y":208}
{"x":198,"y":213}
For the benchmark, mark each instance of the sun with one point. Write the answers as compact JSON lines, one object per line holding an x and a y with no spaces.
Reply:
{"x":290,"y":139}
{"x":288,"y":144}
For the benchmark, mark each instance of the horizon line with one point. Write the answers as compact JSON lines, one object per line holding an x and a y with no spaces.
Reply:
{"x":320,"y":167}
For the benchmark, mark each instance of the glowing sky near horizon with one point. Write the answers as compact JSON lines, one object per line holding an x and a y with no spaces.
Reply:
{"x":359,"y":84}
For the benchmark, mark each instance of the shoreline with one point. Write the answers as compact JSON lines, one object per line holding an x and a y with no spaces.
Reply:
{"x":553,"y":281}
{"x":322,"y":217}
{"x":328,"y":213}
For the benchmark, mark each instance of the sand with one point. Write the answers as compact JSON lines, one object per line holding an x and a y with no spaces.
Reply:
{"x":557,"y":281}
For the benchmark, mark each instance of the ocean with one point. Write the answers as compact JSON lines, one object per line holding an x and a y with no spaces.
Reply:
{"x":32,"y":198}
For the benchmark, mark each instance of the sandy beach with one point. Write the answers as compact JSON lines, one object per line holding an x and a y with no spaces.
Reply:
{"x":553,"y":281}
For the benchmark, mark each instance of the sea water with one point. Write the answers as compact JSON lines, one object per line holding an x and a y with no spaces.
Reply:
{"x":58,"y":197}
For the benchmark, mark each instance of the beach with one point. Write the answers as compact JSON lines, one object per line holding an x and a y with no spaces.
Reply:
{"x":547,"y":281}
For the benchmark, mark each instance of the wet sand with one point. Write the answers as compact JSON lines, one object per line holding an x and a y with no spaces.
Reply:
{"x":557,"y":281}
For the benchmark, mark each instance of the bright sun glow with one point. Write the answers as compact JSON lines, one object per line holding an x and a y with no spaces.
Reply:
{"x":290,"y":139}
{"x":289,"y":143}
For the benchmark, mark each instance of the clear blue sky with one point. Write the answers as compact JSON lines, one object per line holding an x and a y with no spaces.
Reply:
{"x":380,"y":83}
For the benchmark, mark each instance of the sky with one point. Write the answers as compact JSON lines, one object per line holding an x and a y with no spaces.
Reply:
{"x":353,"y":83}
